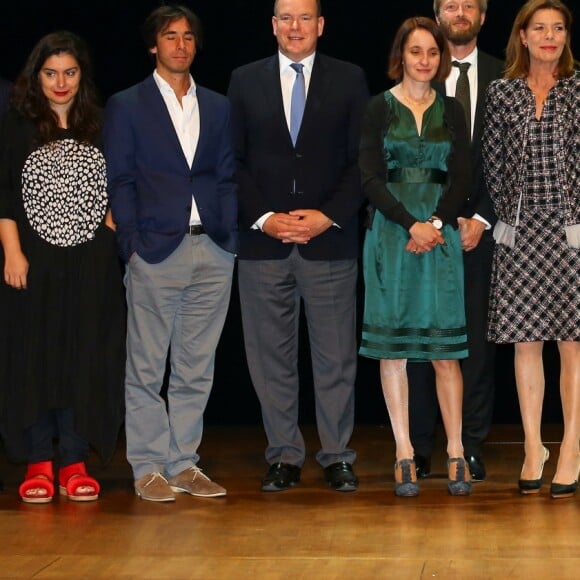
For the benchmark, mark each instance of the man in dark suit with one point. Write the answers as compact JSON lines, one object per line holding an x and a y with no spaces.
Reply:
{"x":462,"y":20}
{"x":171,"y":169}
{"x":299,"y":191}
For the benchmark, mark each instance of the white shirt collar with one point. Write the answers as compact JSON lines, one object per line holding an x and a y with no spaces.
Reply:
{"x":470,"y":58}
{"x":285,"y":62}
{"x":165,"y":87}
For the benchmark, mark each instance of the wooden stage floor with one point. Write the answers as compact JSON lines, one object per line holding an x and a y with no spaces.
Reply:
{"x":307,"y":532}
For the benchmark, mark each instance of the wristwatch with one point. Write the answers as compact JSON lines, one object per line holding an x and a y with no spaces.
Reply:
{"x":436,"y":222}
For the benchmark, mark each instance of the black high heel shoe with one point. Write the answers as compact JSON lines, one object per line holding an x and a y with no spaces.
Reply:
{"x":561,"y":490}
{"x":460,"y":485}
{"x":529,"y":486}
{"x":405,"y":486}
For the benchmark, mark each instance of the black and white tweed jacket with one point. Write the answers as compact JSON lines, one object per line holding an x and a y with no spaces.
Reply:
{"x":510,"y":107}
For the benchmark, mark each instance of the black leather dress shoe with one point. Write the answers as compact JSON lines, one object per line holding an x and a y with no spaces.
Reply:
{"x":340,"y":476}
{"x":476,"y":467}
{"x":422,"y":466}
{"x":281,"y":476}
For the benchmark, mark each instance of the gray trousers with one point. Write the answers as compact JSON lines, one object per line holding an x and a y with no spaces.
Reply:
{"x":178,"y":305}
{"x":270,"y":294}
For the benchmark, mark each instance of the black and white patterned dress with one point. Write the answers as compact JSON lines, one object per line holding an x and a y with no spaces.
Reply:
{"x":62,"y":340}
{"x":535,"y":290}
{"x":64,"y":191}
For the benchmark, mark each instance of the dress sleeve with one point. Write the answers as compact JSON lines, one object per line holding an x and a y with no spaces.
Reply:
{"x":372,"y":164}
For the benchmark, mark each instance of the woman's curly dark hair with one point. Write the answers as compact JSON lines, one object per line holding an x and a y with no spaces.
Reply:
{"x":30,"y":101}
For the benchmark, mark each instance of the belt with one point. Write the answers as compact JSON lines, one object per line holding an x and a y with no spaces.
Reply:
{"x":196,"y":230}
{"x":416,"y":175}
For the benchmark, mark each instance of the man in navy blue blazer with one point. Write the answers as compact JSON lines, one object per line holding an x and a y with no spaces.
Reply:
{"x":171,"y":167}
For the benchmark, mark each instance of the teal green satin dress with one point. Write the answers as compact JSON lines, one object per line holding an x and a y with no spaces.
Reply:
{"x":414,"y":306}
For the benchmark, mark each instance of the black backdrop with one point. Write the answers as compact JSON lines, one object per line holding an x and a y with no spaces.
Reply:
{"x":236,"y":32}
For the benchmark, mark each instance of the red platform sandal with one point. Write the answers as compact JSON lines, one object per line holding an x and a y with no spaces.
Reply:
{"x":37,"y":486}
{"x":76,"y":484}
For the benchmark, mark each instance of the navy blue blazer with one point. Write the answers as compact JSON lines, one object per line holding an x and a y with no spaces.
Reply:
{"x":321,"y":172}
{"x":149,"y":181}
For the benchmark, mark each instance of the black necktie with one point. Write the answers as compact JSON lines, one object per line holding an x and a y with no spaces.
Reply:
{"x":462,"y":93}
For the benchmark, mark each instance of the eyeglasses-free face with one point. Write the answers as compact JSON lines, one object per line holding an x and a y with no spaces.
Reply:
{"x":297,"y":27}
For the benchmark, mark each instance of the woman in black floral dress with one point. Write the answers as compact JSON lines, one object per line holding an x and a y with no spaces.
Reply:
{"x":61,"y":303}
{"x":532,"y":161}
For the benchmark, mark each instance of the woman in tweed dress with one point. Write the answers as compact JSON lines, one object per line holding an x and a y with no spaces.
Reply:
{"x":532,"y":161}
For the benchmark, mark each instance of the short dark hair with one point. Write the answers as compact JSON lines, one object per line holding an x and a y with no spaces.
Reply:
{"x":163,"y":16}
{"x":395,"y":70}
{"x":318,"y":7}
{"x":31,"y":102}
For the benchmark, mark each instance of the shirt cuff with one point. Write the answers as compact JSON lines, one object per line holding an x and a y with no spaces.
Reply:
{"x":259,"y":223}
{"x":477,"y":217}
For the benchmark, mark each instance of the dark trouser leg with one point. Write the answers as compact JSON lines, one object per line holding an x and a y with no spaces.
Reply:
{"x":423,"y":407}
{"x":72,"y":447}
{"x":40,"y":437}
{"x":270,"y":307}
{"x":478,"y":370}
{"x":328,"y":289}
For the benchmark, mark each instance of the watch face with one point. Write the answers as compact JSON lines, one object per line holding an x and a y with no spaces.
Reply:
{"x":437,"y":223}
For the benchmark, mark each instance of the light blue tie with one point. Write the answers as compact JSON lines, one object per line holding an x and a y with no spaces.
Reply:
{"x":298,"y":101}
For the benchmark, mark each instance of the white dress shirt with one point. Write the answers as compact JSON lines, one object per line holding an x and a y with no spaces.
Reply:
{"x":185,"y":119}
{"x":288,"y":76}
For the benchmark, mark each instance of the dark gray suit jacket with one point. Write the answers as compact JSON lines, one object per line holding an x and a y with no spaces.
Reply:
{"x":323,"y":164}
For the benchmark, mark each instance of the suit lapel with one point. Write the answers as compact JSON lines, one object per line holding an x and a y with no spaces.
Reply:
{"x":158,"y":109}
{"x":268,"y":82}
{"x":319,"y":85}
{"x":204,"y":112}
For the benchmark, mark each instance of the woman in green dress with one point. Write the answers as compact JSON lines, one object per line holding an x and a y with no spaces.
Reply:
{"x":415,"y":169}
